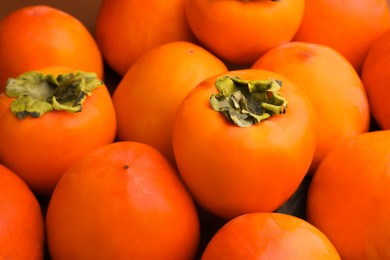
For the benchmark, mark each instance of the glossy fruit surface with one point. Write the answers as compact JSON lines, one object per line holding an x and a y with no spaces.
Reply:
{"x":231,"y":170}
{"x":269,"y":236}
{"x":332,"y":85}
{"x":349,"y":197}
{"x":127,"y":28}
{"x":375,"y":76}
{"x":240,"y":31}
{"x":40,"y":149}
{"x":38,"y":36}
{"x":21,"y":221}
{"x":349,"y":27}
{"x":148,"y":96}
{"x":122,"y":201}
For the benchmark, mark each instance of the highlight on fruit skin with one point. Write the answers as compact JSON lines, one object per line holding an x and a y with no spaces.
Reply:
{"x":267,"y":235}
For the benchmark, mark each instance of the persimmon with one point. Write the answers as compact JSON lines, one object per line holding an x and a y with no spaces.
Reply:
{"x":349,"y":27}
{"x":349,"y":197}
{"x":127,"y":28}
{"x":332,"y":85}
{"x":49,"y":118}
{"x":122,"y":201}
{"x":375,"y":77}
{"x":242,"y":152}
{"x":148,"y":96}
{"x":38,"y":36}
{"x":268,"y":235}
{"x":240,"y":31}
{"x":21,"y":220}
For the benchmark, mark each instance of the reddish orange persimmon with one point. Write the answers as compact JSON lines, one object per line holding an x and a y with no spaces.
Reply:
{"x":40,"y":149}
{"x":148,"y":96}
{"x":232,"y":170}
{"x":349,"y":27}
{"x":375,"y":77}
{"x":122,"y":201}
{"x":269,"y":236}
{"x":332,"y":85}
{"x":240,"y":31}
{"x":349,"y":197}
{"x":21,"y":221}
{"x":39,"y":36}
{"x":127,"y":28}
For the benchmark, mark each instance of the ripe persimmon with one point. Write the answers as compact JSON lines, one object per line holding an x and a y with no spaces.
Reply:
{"x":266,"y":235}
{"x":122,"y":201}
{"x":349,"y":196}
{"x":148,"y":96}
{"x":254,"y":164}
{"x":49,"y":119}
{"x":240,"y":31}
{"x":375,"y":77}
{"x":38,"y":36}
{"x":332,"y":85}
{"x":127,"y":28}
{"x":21,"y":220}
{"x":349,"y":27}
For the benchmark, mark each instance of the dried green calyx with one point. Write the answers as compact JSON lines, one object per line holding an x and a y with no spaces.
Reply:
{"x":36,"y":93}
{"x":248,"y":102}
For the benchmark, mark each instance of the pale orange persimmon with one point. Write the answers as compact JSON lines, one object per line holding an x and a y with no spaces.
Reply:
{"x":332,"y":85}
{"x":148,"y":96}
{"x":349,"y":26}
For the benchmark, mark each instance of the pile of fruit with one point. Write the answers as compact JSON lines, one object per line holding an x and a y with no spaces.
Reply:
{"x":194,"y":129}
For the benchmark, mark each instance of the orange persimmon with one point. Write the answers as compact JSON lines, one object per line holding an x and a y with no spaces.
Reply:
{"x":239,"y":31}
{"x":376,"y":79}
{"x":49,"y":119}
{"x":148,"y":96}
{"x":22,"y":233}
{"x":127,"y":28}
{"x":232,"y":170}
{"x":332,"y":85}
{"x":349,"y":196}
{"x":349,"y":27}
{"x":122,"y":201}
{"x":39,"y":36}
{"x":265,"y":235}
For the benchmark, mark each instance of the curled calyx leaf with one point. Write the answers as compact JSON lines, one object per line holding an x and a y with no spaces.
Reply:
{"x":36,"y":93}
{"x":248,"y":102}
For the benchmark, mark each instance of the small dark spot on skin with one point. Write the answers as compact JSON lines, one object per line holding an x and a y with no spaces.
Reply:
{"x":191,"y":51}
{"x":126,"y":167}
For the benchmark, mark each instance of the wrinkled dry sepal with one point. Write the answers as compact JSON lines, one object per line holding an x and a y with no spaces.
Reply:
{"x":248,"y":102}
{"x":36,"y":94}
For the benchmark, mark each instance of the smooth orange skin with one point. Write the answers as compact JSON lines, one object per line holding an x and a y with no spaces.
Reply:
{"x":349,"y":197}
{"x":148,"y":96}
{"x":263,"y":235}
{"x":122,"y":201}
{"x":332,"y":85}
{"x":231,"y":170}
{"x":22,"y":234}
{"x":40,"y":36}
{"x":127,"y":28}
{"x":376,"y":79}
{"x":350,"y":27}
{"x":240,"y":31}
{"x":41,"y":149}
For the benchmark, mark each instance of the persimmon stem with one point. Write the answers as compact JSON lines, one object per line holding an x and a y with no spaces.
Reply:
{"x":36,"y":93}
{"x":248,"y":102}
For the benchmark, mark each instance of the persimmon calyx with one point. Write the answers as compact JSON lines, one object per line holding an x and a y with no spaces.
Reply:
{"x":248,"y":102}
{"x":36,"y":93}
